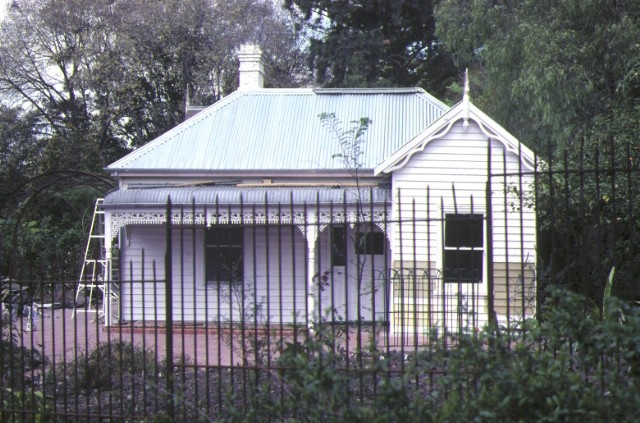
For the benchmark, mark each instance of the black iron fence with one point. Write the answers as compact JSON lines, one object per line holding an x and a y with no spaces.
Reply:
{"x":345,"y":310}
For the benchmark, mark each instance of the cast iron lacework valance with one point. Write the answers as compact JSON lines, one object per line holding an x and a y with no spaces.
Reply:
{"x":300,"y":218}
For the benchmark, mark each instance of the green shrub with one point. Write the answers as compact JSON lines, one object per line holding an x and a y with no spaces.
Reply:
{"x":25,"y":406}
{"x":105,"y":366}
{"x":574,"y":365}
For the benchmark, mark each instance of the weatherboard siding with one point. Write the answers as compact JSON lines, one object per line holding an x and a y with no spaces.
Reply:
{"x":514,"y":290}
{"x":423,"y":191}
{"x":278,"y":268}
{"x":451,"y":174}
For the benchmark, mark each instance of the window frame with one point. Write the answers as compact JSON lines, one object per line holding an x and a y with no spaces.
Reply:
{"x":463,"y":247}
{"x":231,"y":241}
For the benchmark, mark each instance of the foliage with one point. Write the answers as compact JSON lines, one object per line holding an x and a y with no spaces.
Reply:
{"x":45,"y":226}
{"x":17,"y":359}
{"x":313,"y":378}
{"x":106,"y":75}
{"x":607,"y":292}
{"x":374,"y":43}
{"x":104,"y":367}
{"x":572,"y":365}
{"x":587,"y":205}
{"x":35,"y":207}
{"x":547,"y":70}
{"x":20,"y":146}
{"x":15,"y":402}
{"x":86,"y":81}
{"x":18,"y":366}
{"x":248,"y":314}
{"x":350,"y":140}
{"x":563,"y":78}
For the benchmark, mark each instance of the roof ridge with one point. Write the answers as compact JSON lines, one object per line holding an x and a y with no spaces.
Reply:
{"x":391,"y":90}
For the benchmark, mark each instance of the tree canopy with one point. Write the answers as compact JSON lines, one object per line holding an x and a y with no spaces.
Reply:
{"x":82,"y":82}
{"x":552,"y":72}
{"x":375,"y":43}
{"x":564,"y":78}
{"x":106,"y":75}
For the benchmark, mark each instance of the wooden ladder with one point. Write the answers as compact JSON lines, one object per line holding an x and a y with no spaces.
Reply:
{"x":94,"y":274}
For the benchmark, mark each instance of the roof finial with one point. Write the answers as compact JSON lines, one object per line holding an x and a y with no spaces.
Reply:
{"x":465,"y":98}
{"x":466,"y":84}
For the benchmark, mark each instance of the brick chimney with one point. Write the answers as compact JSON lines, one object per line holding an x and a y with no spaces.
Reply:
{"x":251,"y":67}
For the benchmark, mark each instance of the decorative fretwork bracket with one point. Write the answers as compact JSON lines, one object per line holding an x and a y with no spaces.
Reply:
{"x":301,"y":219}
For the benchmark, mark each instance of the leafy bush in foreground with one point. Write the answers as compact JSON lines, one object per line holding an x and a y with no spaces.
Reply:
{"x":574,"y":365}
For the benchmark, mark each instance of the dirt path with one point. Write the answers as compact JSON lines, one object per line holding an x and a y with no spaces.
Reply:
{"x":62,"y":338}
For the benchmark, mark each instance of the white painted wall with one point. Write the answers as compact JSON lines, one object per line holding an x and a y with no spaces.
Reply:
{"x":275,"y":271}
{"x":460,"y":160}
{"x":276,"y":260}
{"x":276,"y":264}
{"x":349,"y":289}
{"x":423,"y":191}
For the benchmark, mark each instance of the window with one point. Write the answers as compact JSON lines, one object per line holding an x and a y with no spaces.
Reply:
{"x":463,"y":248}
{"x":223,"y":254}
{"x":338,"y":246}
{"x":370,"y":243}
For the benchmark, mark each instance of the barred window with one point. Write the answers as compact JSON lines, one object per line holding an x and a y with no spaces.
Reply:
{"x":338,"y":246}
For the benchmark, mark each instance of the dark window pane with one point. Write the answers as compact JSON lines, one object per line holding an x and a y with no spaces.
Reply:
{"x":219,"y":236}
{"x":463,"y":230}
{"x":463,"y":265}
{"x":338,"y":246}
{"x":223,"y":250}
{"x":463,"y":242}
{"x":370,"y":243}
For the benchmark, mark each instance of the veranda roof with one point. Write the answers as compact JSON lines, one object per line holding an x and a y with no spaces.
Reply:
{"x":224,"y":195}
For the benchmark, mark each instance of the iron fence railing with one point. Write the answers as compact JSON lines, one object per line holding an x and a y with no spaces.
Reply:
{"x":209,"y":327}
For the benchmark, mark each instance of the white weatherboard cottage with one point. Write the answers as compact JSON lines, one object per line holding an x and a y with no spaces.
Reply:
{"x":260,"y":201}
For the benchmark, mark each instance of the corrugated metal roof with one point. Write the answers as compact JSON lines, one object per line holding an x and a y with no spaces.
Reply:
{"x":246,"y":195}
{"x":279,"y":129}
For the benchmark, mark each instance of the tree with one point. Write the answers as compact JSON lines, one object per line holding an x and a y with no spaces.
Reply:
{"x":563,"y":78}
{"x":109,"y":74}
{"x":547,"y":70}
{"x":375,"y":43}
{"x":20,"y":145}
{"x":87,"y":80}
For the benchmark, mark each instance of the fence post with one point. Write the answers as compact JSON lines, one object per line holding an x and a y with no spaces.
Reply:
{"x":168,"y":296}
{"x":489,"y":228}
